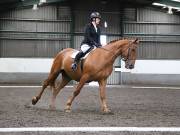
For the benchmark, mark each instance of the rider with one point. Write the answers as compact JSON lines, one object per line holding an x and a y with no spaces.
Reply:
{"x":91,"y":38}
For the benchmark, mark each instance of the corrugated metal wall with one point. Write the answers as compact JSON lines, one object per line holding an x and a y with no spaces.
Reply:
{"x":158,"y":32}
{"x":39,"y":33}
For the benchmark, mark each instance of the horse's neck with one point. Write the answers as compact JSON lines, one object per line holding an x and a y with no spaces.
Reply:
{"x":116,"y":48}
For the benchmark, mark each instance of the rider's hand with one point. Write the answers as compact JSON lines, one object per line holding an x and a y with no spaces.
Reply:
{"x":99,"y":46}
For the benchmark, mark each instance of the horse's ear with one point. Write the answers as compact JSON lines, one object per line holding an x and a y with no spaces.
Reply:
{"x":136,"y":41}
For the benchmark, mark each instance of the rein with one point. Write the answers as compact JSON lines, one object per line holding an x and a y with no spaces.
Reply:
{"x":108,"y":51}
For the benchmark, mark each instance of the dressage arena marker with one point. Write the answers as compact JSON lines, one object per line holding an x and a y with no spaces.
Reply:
{"x":141,"y":87}
{"x":26,"y":86}
{"x":91,"y":129}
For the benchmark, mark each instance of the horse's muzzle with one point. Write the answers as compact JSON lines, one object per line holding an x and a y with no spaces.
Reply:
{"x":131,"y":66}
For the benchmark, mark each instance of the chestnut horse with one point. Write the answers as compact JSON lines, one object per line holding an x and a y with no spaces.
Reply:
{"x":97,"y":67}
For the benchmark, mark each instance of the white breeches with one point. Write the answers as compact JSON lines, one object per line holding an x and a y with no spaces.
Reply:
{"x":84,"y":47}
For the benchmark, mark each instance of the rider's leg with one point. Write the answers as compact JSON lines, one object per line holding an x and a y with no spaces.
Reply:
{"x":76,"y":60}
{"x":78,"y":56}
{"x":84,"y":50}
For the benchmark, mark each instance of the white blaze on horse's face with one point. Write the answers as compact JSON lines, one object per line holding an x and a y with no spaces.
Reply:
{"x":130,"y":54}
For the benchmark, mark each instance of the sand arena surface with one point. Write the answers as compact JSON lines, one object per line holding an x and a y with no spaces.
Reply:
{"x":131,"y":107}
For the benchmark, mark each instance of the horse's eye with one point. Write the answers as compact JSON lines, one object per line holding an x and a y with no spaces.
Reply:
{"x":133,"y":50}
{"x":124,"y":59}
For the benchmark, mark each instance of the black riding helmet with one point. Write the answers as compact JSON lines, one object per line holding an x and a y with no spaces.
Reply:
{"x":95,"y":15}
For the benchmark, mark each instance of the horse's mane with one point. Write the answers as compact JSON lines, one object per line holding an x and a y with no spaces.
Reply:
{"x":113,"y":41}
{"x":116,"y":40}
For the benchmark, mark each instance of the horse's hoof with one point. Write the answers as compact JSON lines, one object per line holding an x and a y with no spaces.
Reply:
{"x":107,"y":111}
{"x":34,"y":100}
{"x":51,"y":107}
{"x":67,"y":110}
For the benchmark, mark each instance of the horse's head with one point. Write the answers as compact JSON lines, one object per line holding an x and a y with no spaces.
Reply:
{"x":129,"y":53}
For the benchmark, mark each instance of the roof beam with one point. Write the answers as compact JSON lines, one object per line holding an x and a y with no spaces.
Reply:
{"x":169,"y":3}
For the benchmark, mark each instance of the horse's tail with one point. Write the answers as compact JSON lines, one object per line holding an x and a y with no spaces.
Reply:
{"x":57,"y":67}
{"x":54,"y":72}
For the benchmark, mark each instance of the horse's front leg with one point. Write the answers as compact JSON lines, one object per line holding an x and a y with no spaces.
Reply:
{"x":82,"y":81}
{"x":102,"y":91}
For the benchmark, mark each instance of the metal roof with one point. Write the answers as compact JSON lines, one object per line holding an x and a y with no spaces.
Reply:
{"x":171,"y":6}
{"x":8,"y":4}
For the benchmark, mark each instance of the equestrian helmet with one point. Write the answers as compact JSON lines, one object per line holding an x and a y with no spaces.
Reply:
{"x":95,"y":15}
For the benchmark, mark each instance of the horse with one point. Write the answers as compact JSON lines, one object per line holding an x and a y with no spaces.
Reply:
{"x":96,"y":67}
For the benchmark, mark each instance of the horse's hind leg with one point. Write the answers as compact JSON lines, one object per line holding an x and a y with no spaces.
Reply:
{"x":64,"y":81}
{"x":51,"y":78}
{"x":82,"y":81}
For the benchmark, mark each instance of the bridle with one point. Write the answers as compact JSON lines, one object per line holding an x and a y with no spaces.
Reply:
{"x":129,"y":52}
{"x":127,"y":58}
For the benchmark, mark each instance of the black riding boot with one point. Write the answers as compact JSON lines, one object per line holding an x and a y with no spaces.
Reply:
{"x":76,"y":60}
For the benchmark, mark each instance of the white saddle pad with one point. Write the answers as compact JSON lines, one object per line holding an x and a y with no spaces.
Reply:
{"x":76,"y":52}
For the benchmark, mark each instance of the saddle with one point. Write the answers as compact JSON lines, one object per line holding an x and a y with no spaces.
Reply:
{"x":76,"y":52}
{"x":81,"y":61}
